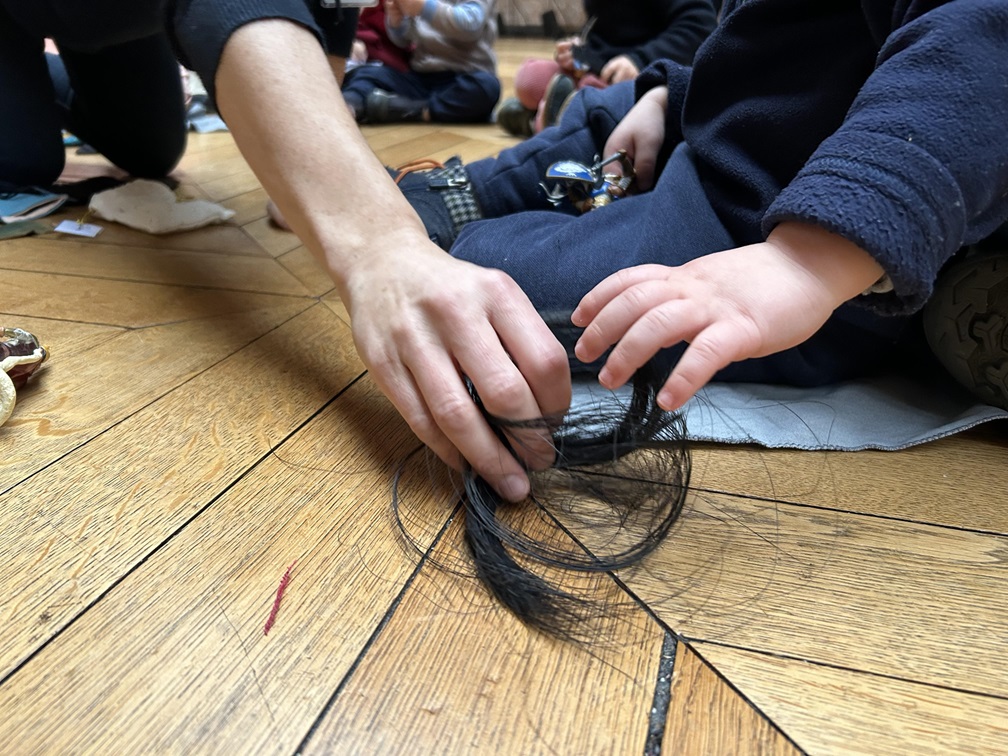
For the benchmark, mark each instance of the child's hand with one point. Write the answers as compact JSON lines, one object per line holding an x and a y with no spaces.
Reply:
{"x":641,"y":133}
{"x":564,"y":53}
{"x":410,"y":8}
{"x":746,"y":302}
{"x":358,"y":52}
{"x":393,"y":14}
{"x":620,"y":68}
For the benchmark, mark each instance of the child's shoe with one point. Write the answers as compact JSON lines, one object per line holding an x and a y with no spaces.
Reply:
{"x":386,"y":107}
{"x":515,"y":118}
{"x":441,"y":196}
{"x":966,"y":323}
{"x":558,"y":93}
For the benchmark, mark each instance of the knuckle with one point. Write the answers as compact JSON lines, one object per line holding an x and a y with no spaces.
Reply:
{"x":508,"y":395}
{"x":554,"y":362}
{"x":453,"y":414}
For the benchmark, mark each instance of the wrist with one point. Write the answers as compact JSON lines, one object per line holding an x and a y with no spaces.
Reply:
{"x":657,"y":96}
{"x":843,"y":268}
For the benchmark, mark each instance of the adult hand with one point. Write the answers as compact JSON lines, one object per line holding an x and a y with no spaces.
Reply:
{"x":422,"y":320}
{"x":620,"y":68}
{"x":746,"y":302}
{"x":641,"y":133}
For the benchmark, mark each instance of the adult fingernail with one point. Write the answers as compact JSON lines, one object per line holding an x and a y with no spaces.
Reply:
{"x":514,"y":487}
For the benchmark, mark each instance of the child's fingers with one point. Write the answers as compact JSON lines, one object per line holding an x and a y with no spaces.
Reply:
{"x":611,"y":287}
{"x":663,"y":325}
{"x":713,"y":349}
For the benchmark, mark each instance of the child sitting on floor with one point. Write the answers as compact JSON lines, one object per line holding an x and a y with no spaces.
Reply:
{"x":452,"y":75}
{"x":801,"y":188}
{"x":618,"y":41}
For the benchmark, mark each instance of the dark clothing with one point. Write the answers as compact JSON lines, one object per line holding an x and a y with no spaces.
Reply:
{"x":117,"y":83}
{"x":645,"y":30}
{"x":557,"y":257}
{"x":450,"y":96}
{"x":120,"y":92}
{"x":200,"y":28}
{"x":880,"y":121}
{"x":883,"y":122}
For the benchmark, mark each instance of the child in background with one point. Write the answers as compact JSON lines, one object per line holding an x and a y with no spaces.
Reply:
{"x":802,"y":187}
{"x":618,"y":42}
{"x":453,"y":69}
{"x":372,"y":44}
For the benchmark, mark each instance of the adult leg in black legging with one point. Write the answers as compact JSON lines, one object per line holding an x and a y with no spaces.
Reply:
{"x":125,"y":100}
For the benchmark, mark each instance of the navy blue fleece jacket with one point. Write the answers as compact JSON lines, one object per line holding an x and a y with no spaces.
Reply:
{"x":645,"y":30}
{"x":883,"y":121}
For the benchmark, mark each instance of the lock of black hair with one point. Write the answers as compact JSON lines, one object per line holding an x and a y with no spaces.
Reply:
{"x":621,"y":471}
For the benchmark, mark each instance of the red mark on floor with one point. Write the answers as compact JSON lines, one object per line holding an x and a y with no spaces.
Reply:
{"x":276,"y":602}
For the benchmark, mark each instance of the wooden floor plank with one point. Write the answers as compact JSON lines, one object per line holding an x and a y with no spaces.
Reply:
{"x":959,"y":481}
{"x":152,"y":471}
{"x":223,"y":238}
{"x":186,"y":626}
{"x":93,"y":382}
{"x":836,"y":588}
{"x":126,"y":304}
{"x":274,"y":241}
{"x":124,"y":263}
{"x":839,"y":711}
{"x":453,"y":672}
{"x":301,"y":264}
{"x":707,"y":717}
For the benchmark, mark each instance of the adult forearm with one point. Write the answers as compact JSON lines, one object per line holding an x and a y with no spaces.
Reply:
{"x":287,"y":115}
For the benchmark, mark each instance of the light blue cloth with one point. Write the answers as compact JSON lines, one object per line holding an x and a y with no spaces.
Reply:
{"x":29,"y":203}
{"x":886,"y":413}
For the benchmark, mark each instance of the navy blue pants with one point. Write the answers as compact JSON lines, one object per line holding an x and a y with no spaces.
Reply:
{"x":125,"y":100}
{"x":451,"y":96}
{"x":557,"y":257}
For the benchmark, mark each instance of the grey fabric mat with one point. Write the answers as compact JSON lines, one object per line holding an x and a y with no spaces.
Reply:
{"x":887,"y":413}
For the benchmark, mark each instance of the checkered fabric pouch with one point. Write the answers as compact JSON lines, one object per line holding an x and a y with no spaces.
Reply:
{"x":452,"y":181}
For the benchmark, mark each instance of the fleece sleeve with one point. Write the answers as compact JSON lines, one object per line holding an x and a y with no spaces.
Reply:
{"x":684,"y":25}
{"x":919,"y":166}
{"x":676,"y":77}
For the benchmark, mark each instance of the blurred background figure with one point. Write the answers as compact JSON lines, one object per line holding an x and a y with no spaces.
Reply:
{"x":619,"y":39}
{"x":452,"y":74}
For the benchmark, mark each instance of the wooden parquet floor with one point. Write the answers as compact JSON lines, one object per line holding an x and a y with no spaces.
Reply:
{"x":204,"y":423}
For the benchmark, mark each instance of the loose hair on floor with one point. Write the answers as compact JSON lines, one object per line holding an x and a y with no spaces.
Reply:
{"x":617,"y":485}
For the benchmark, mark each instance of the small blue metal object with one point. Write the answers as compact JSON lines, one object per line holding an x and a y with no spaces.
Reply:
{"x":588,"y":187}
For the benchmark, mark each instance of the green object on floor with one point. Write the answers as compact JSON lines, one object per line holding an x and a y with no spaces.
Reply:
{"x":24,"y":228}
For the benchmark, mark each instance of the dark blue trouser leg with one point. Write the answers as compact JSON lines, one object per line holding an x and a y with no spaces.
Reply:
{"x":128,"y":104}
{"x":556,"y":258}
{"x":451,"y":97}
{"x":360,"y":81}
{"x":31,"y":146}
{"x":462,"y":97}
{"x":509,"y":183}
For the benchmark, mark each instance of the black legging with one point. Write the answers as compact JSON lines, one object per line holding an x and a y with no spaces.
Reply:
{"x":124,"y":99}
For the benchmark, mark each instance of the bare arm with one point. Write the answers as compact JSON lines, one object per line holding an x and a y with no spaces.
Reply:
{"x":421,"y":318}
